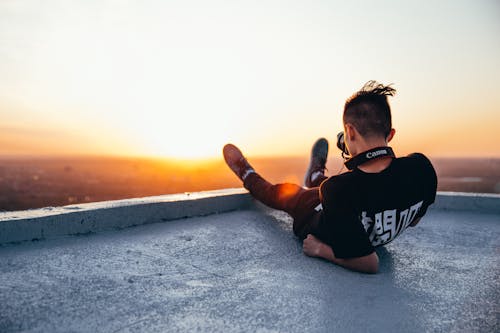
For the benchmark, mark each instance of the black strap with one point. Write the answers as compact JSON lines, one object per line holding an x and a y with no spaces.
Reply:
{"x":368,"y":155}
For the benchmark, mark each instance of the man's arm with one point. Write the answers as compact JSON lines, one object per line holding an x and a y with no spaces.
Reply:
{"x":313,"y":247}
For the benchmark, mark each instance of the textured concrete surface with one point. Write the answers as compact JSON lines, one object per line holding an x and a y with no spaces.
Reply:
{"x":244,"y":272}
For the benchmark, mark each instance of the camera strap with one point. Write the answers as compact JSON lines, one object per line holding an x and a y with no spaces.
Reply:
{"x":368,"y":155}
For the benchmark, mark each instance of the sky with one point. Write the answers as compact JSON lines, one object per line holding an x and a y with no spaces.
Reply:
{"x":180,"y":79}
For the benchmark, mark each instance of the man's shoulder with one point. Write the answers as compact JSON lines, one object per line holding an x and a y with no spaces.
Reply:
{"x":413,"y":164}
{"x":414,"y":158}
{"x":336,"y":183}
{"x":415,"y":161}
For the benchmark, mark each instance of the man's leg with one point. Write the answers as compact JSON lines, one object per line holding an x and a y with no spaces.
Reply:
{"x":315,"y":173}
{"x":299,"y":203}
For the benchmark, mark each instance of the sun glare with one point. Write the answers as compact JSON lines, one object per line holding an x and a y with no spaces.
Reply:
{"x":185,"y":134}
{"x":166,"y":79}
{"x":185,"y":147}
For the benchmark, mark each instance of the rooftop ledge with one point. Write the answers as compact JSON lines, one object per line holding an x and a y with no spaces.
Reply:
{"x":49,"y":222}
{"x":225,"y":263}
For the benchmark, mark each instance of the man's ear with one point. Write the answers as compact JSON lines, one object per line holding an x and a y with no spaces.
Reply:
{"x":391,"y":135}
{"x":350,"y":131}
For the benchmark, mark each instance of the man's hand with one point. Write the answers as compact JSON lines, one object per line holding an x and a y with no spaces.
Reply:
{"x":312,"y":246}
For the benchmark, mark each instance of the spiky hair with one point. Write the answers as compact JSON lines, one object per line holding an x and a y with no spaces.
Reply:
{"x":369,"y":111}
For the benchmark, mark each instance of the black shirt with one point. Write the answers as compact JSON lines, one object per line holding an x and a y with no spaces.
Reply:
{"x":363,"y":210}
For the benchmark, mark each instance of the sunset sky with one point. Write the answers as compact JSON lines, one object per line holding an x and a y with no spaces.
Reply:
{"x":181,"y":78}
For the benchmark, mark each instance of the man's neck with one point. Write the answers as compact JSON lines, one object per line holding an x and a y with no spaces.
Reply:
{"x":376,"y":165}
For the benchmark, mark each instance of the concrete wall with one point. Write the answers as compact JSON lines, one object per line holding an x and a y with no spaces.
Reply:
{"x":478,"y":202}
{"x":93,"y":217}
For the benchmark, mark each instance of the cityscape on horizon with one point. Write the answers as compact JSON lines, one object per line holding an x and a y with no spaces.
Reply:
{"x":34,"y":183}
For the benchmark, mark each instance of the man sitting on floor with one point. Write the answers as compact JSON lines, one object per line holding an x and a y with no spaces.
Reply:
{"x":344,"y":217}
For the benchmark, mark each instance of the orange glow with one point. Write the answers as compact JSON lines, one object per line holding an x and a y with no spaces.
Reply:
{"x":167,"y":80}
{"x":287,"y":191}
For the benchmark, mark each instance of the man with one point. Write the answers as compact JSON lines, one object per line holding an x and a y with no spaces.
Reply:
{"x":344,"y":217}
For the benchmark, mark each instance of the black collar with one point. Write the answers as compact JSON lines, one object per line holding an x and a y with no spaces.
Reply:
{"x":368,"y":155}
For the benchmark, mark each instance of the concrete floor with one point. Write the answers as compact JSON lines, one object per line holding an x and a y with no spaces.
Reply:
{"x":244,"y":271}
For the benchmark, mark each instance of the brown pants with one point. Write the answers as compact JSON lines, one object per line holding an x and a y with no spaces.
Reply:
{"x":298,"y":202}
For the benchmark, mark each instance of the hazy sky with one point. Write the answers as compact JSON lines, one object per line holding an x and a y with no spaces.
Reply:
{"x":181,"y":78}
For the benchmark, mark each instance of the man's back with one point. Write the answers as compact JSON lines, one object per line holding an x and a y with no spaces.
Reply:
{"x":362,"y":210}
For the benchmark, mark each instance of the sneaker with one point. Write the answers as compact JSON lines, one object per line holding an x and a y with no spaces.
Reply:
{"x":317,"y":165}
{"x":236,"y":161}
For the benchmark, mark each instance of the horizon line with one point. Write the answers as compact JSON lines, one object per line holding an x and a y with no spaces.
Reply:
{"x":203,"y":159}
